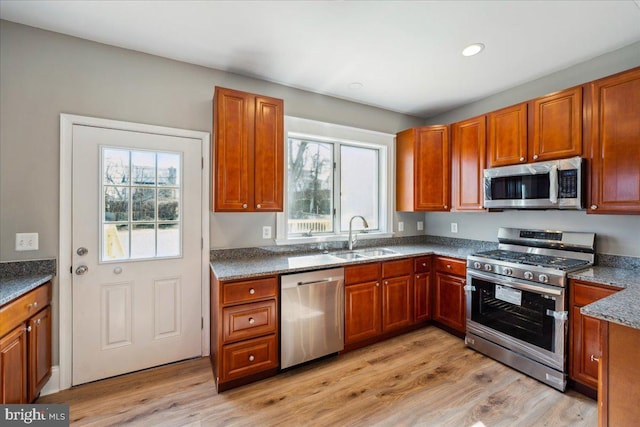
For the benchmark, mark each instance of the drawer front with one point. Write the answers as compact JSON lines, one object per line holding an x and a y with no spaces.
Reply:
{"x":584,"y":293}
{"x":21,"y":309}
{"x":249,"y":290}
{"x":397,"y":268}
{"x":362,"y":273}
{"x":451,"y":266}
{"x":422,"y":264}
{"x":249,"y":320}
{"x":248,"y":357}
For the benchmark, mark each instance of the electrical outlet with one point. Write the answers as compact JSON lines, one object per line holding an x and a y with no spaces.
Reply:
{"x":454,"y":227}
{"x":400,"y":226}
{"x":420,"y":225}
{"x":266,"y":232}
{"x":26,"y":241}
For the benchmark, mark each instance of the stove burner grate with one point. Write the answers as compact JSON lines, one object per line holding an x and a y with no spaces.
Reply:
{"x":558,"y":263}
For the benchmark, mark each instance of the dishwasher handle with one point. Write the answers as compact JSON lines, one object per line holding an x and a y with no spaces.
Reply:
{"x":313,"y":282}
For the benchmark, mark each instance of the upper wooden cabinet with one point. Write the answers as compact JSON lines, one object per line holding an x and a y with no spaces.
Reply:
{"x":248,"y":153}
{"x":555,"y":122}
{"x":468,"y":143}
{"x":615,"y":144}
{"x":423,"y":177}
{"x":507,"y":136}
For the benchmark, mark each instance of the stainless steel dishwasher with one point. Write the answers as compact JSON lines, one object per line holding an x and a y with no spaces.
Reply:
{"x":312,"y":315}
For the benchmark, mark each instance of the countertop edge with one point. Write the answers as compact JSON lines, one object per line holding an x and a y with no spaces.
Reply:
{"x":21,"y":285}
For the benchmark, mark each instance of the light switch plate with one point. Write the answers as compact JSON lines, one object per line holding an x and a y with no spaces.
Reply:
{"x":454,"y":227}
{"x":26,"y":241}
{"x":266,"y":232}
{"x":400,"y":226}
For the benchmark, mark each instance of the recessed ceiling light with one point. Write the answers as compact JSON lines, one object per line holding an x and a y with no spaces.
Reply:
{"x":355,"y":85}
{"x":472,"y":49}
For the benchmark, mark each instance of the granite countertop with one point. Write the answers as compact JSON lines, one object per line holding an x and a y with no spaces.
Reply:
{"x":623,"y":307}
{"x":12,"y":288}
{"x":260,"y":263}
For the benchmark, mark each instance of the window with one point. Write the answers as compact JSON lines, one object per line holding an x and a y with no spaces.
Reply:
{"x":331,"y":177}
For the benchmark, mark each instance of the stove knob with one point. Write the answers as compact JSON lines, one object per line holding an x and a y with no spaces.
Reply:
{"x":528,"y":275}
{"x":507,"y":271}
{"x":543,"y":278}
{"x":477,"y":265}
{"x":487,"y":267}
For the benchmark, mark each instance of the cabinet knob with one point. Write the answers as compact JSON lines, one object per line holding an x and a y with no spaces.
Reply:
{"x":594,"y":207}
{"x":424,"y":264}
{"x":251,"y":358}
{"x":594,"y":358}
{"x":258,"y":206}
{"x":251,"y":320}
{"x":38,"y":321}
{"x":32,"y":305}
{"x":418,"y":276}
{"x":377,"y":283}
{"x":252,"y":291}
{"x":449,"y":266}
{"x":28,"y":329}
{"x":244,"y":206}
{"x":522,"y":159}
{"x":535,"y":157}
{"x":446,"y":207}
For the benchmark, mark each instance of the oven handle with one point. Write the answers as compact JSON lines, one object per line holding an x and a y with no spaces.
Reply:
{"x":517,"y":283}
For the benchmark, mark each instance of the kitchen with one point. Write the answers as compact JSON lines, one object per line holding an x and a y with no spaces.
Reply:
{"x":63,"y":78}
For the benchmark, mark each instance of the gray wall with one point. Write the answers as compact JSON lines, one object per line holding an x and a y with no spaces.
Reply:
{"x":43,"y":74}
{"x":616,"y":234}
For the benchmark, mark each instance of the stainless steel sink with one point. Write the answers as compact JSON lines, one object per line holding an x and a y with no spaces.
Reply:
{"x":365,"y":253}
{"x":350,"y":256}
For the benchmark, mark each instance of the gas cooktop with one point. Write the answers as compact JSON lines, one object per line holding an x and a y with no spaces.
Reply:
{"x":548,"y":261}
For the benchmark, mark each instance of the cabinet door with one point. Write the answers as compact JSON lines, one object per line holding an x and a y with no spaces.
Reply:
{"x":397,"y":308}
{"x":507,"y":136}
{"x":468,"y":162}
{"x":449,"y":301}
{"x":556,"y":125}
{"x":232,"y":129}
{"x":39,"y":352}
{"x":422,"y":296}
{"x":586,"y":348}
{"x":269,"y":154}
{"x":362,"y":317}
{"x":432,"y":186}
{"x":13,"y":366}
{"x":615,"y":132}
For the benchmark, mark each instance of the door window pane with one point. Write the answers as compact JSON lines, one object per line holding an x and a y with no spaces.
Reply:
{"x":310,"y":189}
{"x":359,"y":186}
{"x":141,"y":206}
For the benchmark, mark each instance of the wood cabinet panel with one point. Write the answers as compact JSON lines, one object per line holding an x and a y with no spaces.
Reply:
{"x":400,"y":267}
{"x":13,"y":366}
{"x":556,"y":125}
{"x":249,"y":290}
{"x":422,"y":296}
{"x":422,"y":264}
{"x":269,"y":154}
{"x":450,"y":266}
{"x":397,"y":303}
{"x":614,"y":135}
{"x":249,"y":320}
{"x":362,"y":273}
{"x":507,"y":136}
{"x":249,"y":357}
{"x":468,"y":142}
{"x":362,"y":311}
{"x":423,"y":165}
{"x":20,"y":309}
{"x":39,"y":352}
{"x":449,"y":301}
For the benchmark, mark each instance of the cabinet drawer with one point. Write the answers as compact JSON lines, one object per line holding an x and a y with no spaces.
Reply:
{"x":401,"y":267}
{"x":584,"y":293}
{"x":362,"y":273}
{"x":249,"y":290}
{"x":249,"y":320}
{"x":451,"y":266}
{"x":248,"y":357}
{"x":422,"y":264}
{"x":21,"y":309}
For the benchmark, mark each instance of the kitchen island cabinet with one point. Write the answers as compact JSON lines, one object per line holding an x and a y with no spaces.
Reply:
{"x":25,"y":346}
{"x":248,"y":152}
{"x":449,"y":297}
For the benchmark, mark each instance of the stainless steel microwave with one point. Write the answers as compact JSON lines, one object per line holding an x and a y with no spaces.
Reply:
{"x":556,"y":184}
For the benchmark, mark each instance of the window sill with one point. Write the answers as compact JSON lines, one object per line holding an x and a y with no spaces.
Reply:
{"x":331,"y":238}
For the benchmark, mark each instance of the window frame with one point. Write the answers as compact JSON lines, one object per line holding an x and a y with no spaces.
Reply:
{"x":298,"y":128}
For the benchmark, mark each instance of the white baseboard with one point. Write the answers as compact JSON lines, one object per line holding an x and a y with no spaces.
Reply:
{"x":53,"y":385}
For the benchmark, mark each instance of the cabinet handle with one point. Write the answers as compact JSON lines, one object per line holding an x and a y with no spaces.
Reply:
{"x":446,"y":207}
{"x":251,"y":358}
{"x":38,"y":321}
{"x":522,"y":159}
{"x":449,"y":266}
{"x":377,"y":283}
{"x":252,"y":291}
{"x":594,"y":207}
{"x":594,"y":359}
{"x":424,"y":264}
{"x":258,"y":206}
{"x":251,"y":320}
{"x":28,"y":329}
{"x":418,"y":276}
{"x":535,"y":157}
{"x":32,"y":305}
{"x":244,"y":206}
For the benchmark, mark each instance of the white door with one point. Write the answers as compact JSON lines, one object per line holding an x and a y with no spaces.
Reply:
{"x":136,"y":234}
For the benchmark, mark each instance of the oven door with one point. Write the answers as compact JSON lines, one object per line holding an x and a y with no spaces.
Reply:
{"x":525,"y":317}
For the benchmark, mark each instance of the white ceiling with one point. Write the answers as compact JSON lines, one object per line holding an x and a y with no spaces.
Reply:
{"x":405,"y":53}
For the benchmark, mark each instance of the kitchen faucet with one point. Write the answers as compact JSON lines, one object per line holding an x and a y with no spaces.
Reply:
{"x":354,"y":238}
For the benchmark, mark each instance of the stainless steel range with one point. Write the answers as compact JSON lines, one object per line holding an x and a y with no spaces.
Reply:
{"x":517,"y":299}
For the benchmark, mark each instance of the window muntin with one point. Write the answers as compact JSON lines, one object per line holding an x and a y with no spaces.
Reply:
{"x":141,"y":204}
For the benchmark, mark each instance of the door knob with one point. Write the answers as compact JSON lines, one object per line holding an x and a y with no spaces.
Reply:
{"x":82,"y":251}
{"x":81,"y":270}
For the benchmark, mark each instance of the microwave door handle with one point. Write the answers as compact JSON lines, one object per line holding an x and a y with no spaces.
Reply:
{"x":553,"y":184}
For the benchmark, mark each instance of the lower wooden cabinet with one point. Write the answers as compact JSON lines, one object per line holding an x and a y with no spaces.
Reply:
{"x":363,"y":316}
{"x":244,"y":330}
{"x":584,"y":332}
{"x":422,"y":289}
{"x":397,"y":294}
{"x":449,"y":297}
{"x":25,"y":346}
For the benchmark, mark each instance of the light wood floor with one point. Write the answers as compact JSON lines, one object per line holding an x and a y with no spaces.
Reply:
{"x":424,"y":378}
